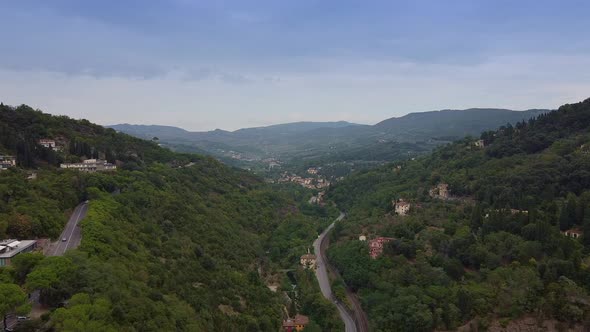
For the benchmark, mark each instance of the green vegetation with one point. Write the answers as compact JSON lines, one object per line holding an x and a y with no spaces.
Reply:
{"x":493,"y":252}
{"x":12,"y":298}
{"x":312,"y":303}
{"x":345,"y":146}
{"x":164,"y":248}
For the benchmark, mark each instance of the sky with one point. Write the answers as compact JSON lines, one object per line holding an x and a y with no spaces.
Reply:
{"x":202,"y":65}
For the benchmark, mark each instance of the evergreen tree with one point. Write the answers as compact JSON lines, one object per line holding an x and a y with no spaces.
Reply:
{"x":567,"y":217}
{"x":476,"y":218}
{"x":586,"y":227}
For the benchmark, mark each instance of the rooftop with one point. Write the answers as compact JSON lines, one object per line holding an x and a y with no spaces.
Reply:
{"x":298,"y":320}
{"x":576,"y":230}
{"x":11,"y":247}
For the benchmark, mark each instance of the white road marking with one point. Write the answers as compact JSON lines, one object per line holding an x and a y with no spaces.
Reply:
{"x":74,"y":226}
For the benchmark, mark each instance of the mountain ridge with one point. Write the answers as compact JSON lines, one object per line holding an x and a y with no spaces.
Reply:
{"x":309,"y":140}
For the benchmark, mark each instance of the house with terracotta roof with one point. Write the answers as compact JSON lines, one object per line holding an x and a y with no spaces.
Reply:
{"x":376,"y":246}
{"x":295,"y":324}
{"x":48,"y":143}
{"x":574,"y":233}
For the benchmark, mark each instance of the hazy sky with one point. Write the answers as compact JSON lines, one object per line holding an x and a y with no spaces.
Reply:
{"x":228,"y":64}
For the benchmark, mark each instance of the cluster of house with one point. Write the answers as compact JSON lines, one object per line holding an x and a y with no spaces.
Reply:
{"x":313,"y":170}
{"x":297,"y":323}
{"x":376,"y":245}
{"x":318,"y":199}
{"x":11,"y":247}
{"x":90,"y":165}
{"x":310,"y":183}
{"x":6,"y":162}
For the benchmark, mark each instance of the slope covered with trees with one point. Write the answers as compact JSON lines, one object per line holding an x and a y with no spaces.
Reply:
{"x":492,"y":252}
{"x":321,"y":142}
{"x":171,"y":242}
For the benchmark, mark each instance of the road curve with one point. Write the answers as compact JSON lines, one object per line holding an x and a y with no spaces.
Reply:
{"x":322,"y":275}
{"x":71,"y":232}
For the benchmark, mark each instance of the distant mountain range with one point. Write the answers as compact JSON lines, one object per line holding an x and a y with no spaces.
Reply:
{"x":175,"y":133}
{"x":336,"y":140}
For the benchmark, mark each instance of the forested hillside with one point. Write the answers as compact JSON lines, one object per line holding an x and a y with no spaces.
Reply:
{"x":171,"y":242}
{"x":36,"y":208}
{"x":490,"y":253}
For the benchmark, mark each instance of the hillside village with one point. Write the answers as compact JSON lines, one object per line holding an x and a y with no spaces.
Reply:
{"x":86,"y":165}
{"x":313,"y":180}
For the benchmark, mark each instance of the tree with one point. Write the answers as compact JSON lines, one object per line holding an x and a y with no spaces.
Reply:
{"x":312,"y":327}
{"x":54,"y":277}
{"x":12,"y":298}
{"x":23,"y":264}
{"x":476,"y":217}
{"x":567,"y":216}
{"x":586,"y":227}
{"x":83,"y":314}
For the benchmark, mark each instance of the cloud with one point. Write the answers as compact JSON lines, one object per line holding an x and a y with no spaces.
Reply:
{"x":230,"y":64}
{"x":364,"y":92}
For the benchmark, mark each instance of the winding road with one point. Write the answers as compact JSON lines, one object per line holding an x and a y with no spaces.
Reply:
{"x":324,"y":281}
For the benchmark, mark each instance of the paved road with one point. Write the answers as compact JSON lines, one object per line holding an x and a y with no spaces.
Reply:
{"x":71,"y":232}
{"x":73,"y":237}
{"x":10,"y":321}
{"x":322,"y":275}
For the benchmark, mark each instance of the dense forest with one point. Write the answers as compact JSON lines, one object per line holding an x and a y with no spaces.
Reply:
{"x":491,"y":252}
{"x":171,"y":242}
